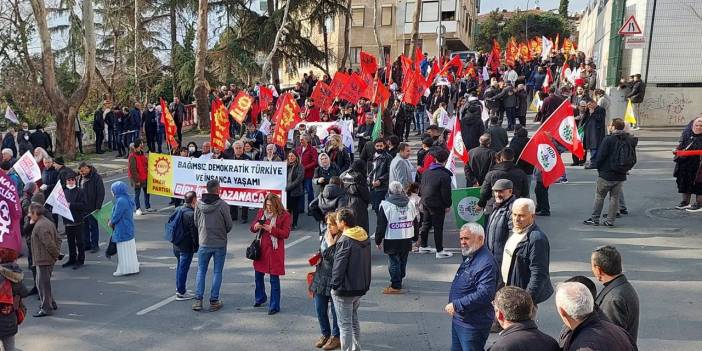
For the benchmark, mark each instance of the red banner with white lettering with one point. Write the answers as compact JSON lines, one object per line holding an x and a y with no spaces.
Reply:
{"x":219,"y":125}
{"x":286,"y":117}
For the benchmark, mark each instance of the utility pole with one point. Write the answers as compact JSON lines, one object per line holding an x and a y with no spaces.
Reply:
{"x":526,"y":22}
{"x":439,"y":34}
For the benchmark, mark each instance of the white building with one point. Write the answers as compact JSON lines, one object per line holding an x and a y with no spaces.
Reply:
{"x":670,"y":60}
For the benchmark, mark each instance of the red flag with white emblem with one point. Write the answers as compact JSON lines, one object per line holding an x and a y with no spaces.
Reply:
{"x":561,"y":127}
{"x":455,"y":142}
{"x":541,"y":153}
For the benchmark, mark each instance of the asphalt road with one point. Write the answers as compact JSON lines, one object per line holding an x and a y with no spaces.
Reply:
{"x":660,"y":248}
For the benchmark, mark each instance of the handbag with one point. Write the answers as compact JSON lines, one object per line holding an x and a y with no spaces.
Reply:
{"x":310,"y":279}
{"x":111,"y":248}
{"x":253,"y":252}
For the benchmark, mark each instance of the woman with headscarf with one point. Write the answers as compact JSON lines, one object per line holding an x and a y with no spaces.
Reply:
{"x":337,"y":153}
{"x":192,"y":150}
{"x":324,"y":171}
{"x":356,"y":186}
{"x":122,"y":223}
{"x":294,"y":187}
{"x":688,"y":169}
{"x":273,"y":225}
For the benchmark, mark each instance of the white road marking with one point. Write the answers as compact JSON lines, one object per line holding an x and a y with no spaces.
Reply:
{"x":156,"y":306}
{"x":289,"y":245}
{"x":172,"y":207}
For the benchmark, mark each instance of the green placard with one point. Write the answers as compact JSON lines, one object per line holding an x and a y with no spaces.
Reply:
{"x":464,"y":201}
{"x":103,"y":216}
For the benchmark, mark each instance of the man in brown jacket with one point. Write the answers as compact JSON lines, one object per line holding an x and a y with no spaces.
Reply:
{"x":45,"y":252}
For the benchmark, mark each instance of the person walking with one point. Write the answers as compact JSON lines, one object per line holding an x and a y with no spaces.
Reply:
{"x":186,"y":246}
{"x":122,"y":223}
{"x":138,"y":175}
{"x":91,"y":183}
{"x":435,"y":191}
{"x":74,"y":228}
{"x":472,"y":291}
{"x":213,"y":224}
{"x":45,"y":252}
{"x":499,"y":224}
{"x":351,"y":277}
{"x":321,"y":286}
{"x":401,"y":169}
{"x":356,"y":186}
{"x":272,"y":224}
{"x":294,"y":188}
{"x":595,"y":131}
{"x":395,"y":232}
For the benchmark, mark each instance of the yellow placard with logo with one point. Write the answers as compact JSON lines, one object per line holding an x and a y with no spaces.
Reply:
{"x":160,"y":175}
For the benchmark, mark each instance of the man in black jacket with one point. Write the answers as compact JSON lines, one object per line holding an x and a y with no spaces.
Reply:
{"x":379,"y":174}
{"x":186,"y":246}
{"x":504,"y":169}
{"x":611,"y":171}
{"x":499,"y":224}
{"x":39,"y":138}
{"x":99,"y":126}
{"x":618,"y":300}
{"x":435,"y":192}
{"x":74,"y":228}
{"x":575,"y":306}
{"x":472,"y":126}
{"x":351,"y":277}
{"x":518,"y":143}
{"x":513,"y":311}
{"x":91,"y":184}
{"x":481,"y":160}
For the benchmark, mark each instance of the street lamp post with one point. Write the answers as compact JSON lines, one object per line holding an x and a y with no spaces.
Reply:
{"x":526,"y":22}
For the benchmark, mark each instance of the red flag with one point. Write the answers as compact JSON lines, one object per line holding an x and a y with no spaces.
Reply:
{"x":524,"y":52}
{"x":567,"y":46}
{"x":286,"y":117}
{"x":11,"y":216}
{"x":547,"y":81}
{"x":219,"y":120}
{"x":418,"y":57}
{"x":338,"y":83}
{"x":509,"y":53}
{"x":555,"y":43}
{"x":265,"y":98}
{"x":354,"y":89}
{"x":541,"y":153}
{"x":434,"y":72}
{"x":382,"y":94}
{"x":322,"y":95}
{"x":455,"y":142}
{"x":414,"y":87}
{"x":239,"y":106}
{"x":455,"y":62}
{"x":167,"y":119}
{"x":406,"y":65}
{"x":494,"y":59}
{"x":369,"y":65}
{"x":255,"y":111}
{"x":563,"y":70}
{"x":561,"y":127}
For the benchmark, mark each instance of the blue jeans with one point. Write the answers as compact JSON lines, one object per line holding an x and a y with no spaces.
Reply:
{"x":184,"y":260}
{"x":396,"y":267}
{"x":91,"y":233}
{"x":419,"y":117}
{"x":260,"y":293}
{"x":465,"y":339}
{"x":307,"y":183}
{"x":137,"y":193}
{"x":204,"y":254}
{"x":321,"y":303}
{"x":376,"y":197}
{"x":593,"y":155}
{"x":160,"y":136}
{"x":511,"y":117}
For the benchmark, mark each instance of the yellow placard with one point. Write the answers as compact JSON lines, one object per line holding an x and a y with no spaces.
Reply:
{"x":160,"y":175}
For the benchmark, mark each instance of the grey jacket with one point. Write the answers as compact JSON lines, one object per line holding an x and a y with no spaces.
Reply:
{"x":213,"y":221}
{"x":620,"y":303}
{"x":401,"y":171}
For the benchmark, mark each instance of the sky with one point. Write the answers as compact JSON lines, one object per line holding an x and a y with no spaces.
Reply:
{"x":489,"y":5}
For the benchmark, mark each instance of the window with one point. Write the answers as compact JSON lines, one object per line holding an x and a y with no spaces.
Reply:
{"x":355,"y":57}
{"x":448,"y":15}
{"x":409,"y":11}
{"x":386,"y":15}
{"x":357,"y":16}
{"x":430,"y":11}
{"x":329,"y":22}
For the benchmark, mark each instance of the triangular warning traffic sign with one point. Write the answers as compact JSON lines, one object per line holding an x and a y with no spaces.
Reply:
{"x":630,"y":27}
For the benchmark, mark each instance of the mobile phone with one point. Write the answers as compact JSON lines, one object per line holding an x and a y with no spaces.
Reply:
{"x":261,"y":221}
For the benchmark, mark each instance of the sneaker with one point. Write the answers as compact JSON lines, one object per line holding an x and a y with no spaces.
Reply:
{"x":562,"y":181}
{"x":591,"y":221}
{"x":444,"y":254}
{"x":607,"y":224}
{"x":392,"y":291}
{"x":184,"y":297}
{"x":695,"y":208}
{"x":683,"y":205}
{"x":138,"y":212}
{"x":618,"y":215}
{"x":216,"y":305}
{"x":321,"y":341}
{"x":428,"y":249}
{"x":624,"y":211}
{"x":197,"y":305}
{"x":333,"y":343}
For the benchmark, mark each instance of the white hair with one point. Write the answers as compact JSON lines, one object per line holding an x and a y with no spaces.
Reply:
{"x":7,"y":152}
{"x":474,"y":229}
{"x":238,"y":143}
{"x":523,"y":201}
{"x":395,"y":187}
{"x":575,"y":299}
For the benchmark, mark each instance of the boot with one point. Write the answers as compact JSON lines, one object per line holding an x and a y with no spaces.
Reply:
{"x":333,"y":343}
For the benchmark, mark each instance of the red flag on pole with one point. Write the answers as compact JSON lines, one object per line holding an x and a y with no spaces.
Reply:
{"x":414,"y":87}
{"x":561,"y":127}
{"x":455,"y":142}
{"x":219,"y":120}
{"x":418,"y":57}
{"x":339,"y":82}
{"x":541,"y":153}
{"x":455,"y":62}
{"x":239,"y":106}
{"x":547,"y":81}
{"x":388,"y":69}
{"x":322,"y":95}
{"x":169,"y":122}
{"x":494,"y":59}
{"x":265,"y":98}
{"x":354,"y":89}
{"x":369,"y":65}
{"x":286,"y":117}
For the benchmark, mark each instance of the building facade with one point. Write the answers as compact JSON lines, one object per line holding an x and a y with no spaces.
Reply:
{"x":393,"y":22}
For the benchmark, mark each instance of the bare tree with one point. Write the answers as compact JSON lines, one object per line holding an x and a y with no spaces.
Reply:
{"x":415,"y":25}
{"x":347,"y":29}
{"x":65,"y":110}
{"x":267,"y":65}
{"x":201,"y":86}
{"x":375,"y":29}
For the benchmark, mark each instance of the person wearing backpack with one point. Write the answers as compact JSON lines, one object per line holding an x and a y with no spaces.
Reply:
{"x":616,"y":156}
{"x":184,"y":236}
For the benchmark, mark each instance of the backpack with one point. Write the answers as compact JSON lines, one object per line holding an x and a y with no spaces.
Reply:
{"x":174,"y":229}
{"x":624,"y":157}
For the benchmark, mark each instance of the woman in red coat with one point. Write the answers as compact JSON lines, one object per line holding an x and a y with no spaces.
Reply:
{"x":273,"y":223}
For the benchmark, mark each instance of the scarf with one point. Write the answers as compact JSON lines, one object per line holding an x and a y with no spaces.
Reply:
{"x":274,"y":240}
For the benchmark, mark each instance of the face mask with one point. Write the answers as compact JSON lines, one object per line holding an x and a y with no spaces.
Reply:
{"x":191,"y":149}
{"x":70,"y":186}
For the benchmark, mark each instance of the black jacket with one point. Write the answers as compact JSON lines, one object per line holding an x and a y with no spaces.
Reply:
{"x":40,"y":139}
{"x":597,"y":334}
{"x":296,"y":175}
{"x":522,"y":103}
{"x":327,"y":174}
{"x":321,"y":284}
{"x":605,"y":160}
{"x":330,"y":199}
{"x":150,"y":122}
{"x":8,"y":142}
{"x":498,"y":138}
{"x":49,"y":177}
{"x":472,"y":126}
{"x":518,"y":144}
{"x":93,"y":189}
{"x":77,"y":204}
{"x":530,"y":266}
{"x":351,"y":275}
{"x":638,"y":90}
{"x":620,"y":303}
{"x":99,"y":121}
{"x":191,"y":241}
{"x":498,"y":228}
{"x":356,"y":187}
{"x":504,"y":170}
{"x":481,"y":161}
{"x":392,"y":247}
{"x":524,"y":336}
{"x":435,"y":189}
{"x":380,"y":170}
{"x":594,"y":128}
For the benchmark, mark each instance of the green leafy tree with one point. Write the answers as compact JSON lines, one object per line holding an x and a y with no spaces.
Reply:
{"x":563,"y":8}
{"x":544,"y":23}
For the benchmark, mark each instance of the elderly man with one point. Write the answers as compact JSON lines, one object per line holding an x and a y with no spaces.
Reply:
{"x":472,"y":292}
{"x":206,"y":150}
{"x":395,"y":233}
{"x":504,"y":169}
{"x":525,"y":259}
{"x":238,"y":154}
{"x":7,"y":156}
{"x":513,"y":310}
{"x":401,"y":169}
{"x":618,"y":300}
{"x":575,"y":306}
{"x":499,"y":224}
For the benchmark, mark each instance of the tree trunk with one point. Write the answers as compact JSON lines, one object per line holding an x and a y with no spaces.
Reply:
{"x":275,"y":63}
{"x":174,"y":44}
{"x":114,"y":65}
{"x":201,"y":87}
{"x":136,"y":48}
{"x":347,"y":29}
{"x":375,"y":30}
{"x":65,"y":110}
{"x":326,"y":47}
{"x":266,"y":66}
{"x":415,"y":26}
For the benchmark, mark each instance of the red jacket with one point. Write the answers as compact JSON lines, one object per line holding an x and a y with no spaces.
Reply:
{"x":273,"y":261}
{"x":308,"y":159}
{"x":312,"y":114}
{"x":138,"y":168}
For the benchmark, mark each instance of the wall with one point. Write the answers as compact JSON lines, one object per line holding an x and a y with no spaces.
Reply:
{"x":670,"y":106}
